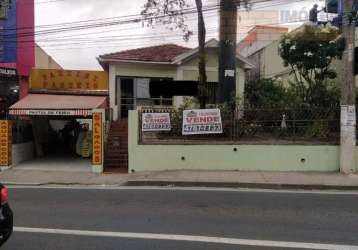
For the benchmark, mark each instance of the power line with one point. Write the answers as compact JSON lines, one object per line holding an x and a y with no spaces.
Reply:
{"x":123,"y":38}
{"x":138,"y":18}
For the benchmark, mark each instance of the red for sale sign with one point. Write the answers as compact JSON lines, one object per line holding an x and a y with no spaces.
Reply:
{"x":156,"y":122}
{"x":202,"y":121}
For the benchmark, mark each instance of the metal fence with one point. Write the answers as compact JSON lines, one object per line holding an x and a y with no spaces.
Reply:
{"x":257,"y":126}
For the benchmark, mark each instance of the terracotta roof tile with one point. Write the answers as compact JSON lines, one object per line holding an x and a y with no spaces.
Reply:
{"x":161,"y":53}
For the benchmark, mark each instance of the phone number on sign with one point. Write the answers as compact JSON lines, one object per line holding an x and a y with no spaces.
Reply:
{"x":156,"y":126}
{"x":203,"y":128}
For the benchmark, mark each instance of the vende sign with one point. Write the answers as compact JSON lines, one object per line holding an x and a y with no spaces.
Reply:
{"x":156,"y":122}
{"x":202,"y":121}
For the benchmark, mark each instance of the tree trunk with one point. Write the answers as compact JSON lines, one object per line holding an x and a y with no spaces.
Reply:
{"x":202,"y":56}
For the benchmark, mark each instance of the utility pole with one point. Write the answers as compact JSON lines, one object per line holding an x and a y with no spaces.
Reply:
{"x":348,"y":108}
{"x":227,"y":58}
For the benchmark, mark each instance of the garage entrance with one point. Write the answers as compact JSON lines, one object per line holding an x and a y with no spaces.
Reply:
{"x":62,"y":143}
{"x":66,"y":109}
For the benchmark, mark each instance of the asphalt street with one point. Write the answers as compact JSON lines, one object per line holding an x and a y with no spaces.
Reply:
{"x":79,"y":218}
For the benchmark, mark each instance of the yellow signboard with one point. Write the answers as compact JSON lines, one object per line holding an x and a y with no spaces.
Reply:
{"x":97,"y":154}
{"x":5,"y":143}
{"x":63,"y":80}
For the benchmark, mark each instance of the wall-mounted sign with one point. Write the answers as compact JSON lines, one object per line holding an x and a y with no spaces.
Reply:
{"x":37,"y":112}
{"x":156,"y":122}
{"x":7,"y":72}
{"x":8,"y":25}
{"x":348,"y":115}
{"x":202,"y":121}
{"x":51,"y":79}
{"x":5,"y":143}
{"x":97,"y":153}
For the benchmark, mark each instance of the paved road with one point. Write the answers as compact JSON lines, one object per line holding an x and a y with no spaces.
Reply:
{"x":326,"y":219}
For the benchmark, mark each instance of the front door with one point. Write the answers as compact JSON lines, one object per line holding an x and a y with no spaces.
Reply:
{"x":127,"y":100}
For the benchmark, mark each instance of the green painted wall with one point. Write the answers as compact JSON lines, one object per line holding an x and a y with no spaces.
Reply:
{"x":223,"y":157}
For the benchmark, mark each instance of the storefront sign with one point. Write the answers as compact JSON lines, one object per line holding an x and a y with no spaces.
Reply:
{"x":202,"y":121}
{"x":8,"y":38}
{"x":97,"y":122}
{"x":5,"y":143}
{"x":7,"y":72}
{"x":50,"y":79}
{"x":156,"y":122}
{"x":36,"y":112}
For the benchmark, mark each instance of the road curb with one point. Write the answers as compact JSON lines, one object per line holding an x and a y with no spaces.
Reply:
{"x":21,"y":184}
{"x":44,"y":184}
{"x":275,"y":186}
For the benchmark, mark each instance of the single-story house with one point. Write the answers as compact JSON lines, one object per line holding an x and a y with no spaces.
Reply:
{"x":131,"y":73}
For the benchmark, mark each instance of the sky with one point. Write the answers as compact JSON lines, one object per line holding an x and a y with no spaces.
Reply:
{"x":78,"y":49}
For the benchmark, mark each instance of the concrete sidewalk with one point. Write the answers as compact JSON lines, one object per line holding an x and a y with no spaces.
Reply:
{"x":270,"y":180}
{"x":49,"y":177}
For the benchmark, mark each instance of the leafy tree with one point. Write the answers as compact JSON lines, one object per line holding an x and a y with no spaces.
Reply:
{"x":309,"y":52}
{"x":266,"y":93}
{"x":172,"y":13}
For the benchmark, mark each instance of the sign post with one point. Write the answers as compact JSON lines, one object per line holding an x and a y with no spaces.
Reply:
{"x":5,"y":143}
{"x":98,"y":120}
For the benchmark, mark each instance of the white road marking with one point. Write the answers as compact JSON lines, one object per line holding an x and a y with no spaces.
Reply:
{"x":190,"y":238}
{"x":171,"y":188}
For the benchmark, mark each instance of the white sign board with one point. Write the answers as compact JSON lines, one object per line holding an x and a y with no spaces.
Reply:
{"x":156,"y":122}
{"x":202,"y":121}
{"x":348,"y":115}
{"x":229,"y":73}
{"x":8,"y":72}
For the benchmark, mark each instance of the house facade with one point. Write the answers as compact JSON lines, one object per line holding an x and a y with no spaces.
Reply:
{"x":262,"y":49}
{"x":132,"y":72}
{"x":260,"y":46}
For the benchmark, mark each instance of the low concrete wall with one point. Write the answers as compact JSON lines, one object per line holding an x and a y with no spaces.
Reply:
{"x":22,"y":152}
{"x":321,"y":158}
